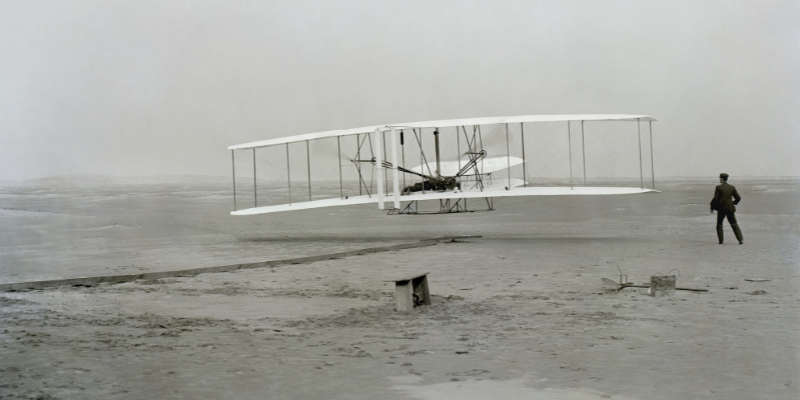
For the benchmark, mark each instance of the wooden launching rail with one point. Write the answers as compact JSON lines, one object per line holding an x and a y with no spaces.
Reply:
{"x":112,"y":279}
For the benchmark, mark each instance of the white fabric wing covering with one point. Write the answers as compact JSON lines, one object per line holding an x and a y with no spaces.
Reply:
{"x":444,"y":124}
{"x":496,"y":190}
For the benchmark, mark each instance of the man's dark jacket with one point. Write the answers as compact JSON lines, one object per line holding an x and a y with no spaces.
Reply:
{"x":722,"y":198}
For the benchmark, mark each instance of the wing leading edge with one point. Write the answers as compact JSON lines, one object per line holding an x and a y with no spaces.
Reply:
{"x":443,"y":124}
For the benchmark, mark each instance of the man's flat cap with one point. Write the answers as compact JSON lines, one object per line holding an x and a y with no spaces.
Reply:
{"x":723,"y":175}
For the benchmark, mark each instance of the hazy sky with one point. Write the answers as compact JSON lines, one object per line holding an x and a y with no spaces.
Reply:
{"x":163,"y":87}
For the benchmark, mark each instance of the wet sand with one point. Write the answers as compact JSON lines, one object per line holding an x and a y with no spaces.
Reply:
{"x":519,"y":313}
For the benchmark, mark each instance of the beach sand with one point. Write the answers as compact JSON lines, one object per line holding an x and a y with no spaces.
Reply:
{"x":519,"y":313}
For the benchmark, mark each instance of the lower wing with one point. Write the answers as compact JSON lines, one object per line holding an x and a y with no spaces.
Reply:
{"x":495,"y":190}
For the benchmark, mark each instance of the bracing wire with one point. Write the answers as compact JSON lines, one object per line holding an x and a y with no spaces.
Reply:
{"x":617,"y":157}
{"x":601,"y":138}
{"x":552,"y":155}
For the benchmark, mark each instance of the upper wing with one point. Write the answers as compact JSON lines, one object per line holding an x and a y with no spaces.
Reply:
{"x":443,"y":124}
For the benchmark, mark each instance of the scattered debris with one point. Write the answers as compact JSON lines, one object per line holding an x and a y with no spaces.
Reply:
{"x":610,"y":283}
{"x":757,"y":279}
{"x":757,"y":292}
{"x":662,"y":284}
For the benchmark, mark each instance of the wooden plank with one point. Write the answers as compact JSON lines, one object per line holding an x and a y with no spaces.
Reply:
{"x":404,"y":296}
{"x":421,"y":288}
{"x":408,"y":277}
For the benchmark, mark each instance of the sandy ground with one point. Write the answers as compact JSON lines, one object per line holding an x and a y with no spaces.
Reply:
{"x":520,"y":313}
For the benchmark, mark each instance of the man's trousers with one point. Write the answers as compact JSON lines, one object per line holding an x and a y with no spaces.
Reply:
{"x":721,"y":215}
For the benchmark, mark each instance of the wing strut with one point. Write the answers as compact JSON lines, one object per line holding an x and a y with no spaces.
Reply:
{"x":379,"y":166}
{"x":339,"y":152}
{"x":255,"y":186}
{"x":569,"y":140}
{"x":524,"y":165}
{"x":288,"y":174}
{"x":652,"y":165}
{"x":395,"y":172}
{"x":480,"y":137}
{"x":308,"y":165}
{"x":641,"y":171}
{"x":233,"y":164}
{"x":508,"y":158}
{"x":403,"y":152}
{"x":421,"y":155}
{"x":385,"y":156}
{"x":358,"y":167}
{"x":436,"y":143}
{"x":583,"y":149}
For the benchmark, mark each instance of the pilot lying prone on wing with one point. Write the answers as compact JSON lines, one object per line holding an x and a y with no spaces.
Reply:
{"x":437,"y":184}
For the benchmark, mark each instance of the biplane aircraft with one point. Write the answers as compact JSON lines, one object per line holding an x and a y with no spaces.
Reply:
{"x":383,"y":176}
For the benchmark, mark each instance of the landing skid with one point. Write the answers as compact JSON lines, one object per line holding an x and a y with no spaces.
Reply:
{"x":446,"y":206}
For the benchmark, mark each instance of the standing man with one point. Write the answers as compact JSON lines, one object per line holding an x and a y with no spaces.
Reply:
{"x":726,"y":207}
